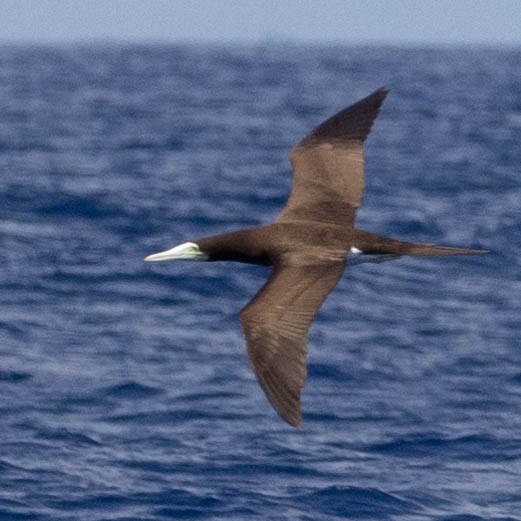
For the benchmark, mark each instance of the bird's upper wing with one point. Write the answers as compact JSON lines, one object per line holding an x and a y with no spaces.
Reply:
{"x":328,"y":166}
{"x":276,"y":323}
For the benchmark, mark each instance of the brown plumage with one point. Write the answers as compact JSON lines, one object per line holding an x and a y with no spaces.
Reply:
{"x":308,"y":247}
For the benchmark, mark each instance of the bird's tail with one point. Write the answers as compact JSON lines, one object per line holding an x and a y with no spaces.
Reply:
{"x":419,"y":249}
{"x":371,"y":243}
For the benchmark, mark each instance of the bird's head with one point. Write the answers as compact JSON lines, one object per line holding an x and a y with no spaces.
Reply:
{"x":186,"y":251}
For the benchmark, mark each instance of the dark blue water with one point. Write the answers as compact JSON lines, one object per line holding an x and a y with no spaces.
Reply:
{"x":125,"y":391}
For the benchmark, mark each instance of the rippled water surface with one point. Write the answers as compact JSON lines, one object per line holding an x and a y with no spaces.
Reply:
{"x":125,"y":391}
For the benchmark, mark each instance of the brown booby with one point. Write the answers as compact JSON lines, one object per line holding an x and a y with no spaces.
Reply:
{"x":308,"y":247}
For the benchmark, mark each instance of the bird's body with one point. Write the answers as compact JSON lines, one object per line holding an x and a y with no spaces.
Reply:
{"x":310,"y":242}
{"x":308,"y":247}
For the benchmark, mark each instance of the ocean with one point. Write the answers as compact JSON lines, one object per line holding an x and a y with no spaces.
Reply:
{"x":125,"y":389}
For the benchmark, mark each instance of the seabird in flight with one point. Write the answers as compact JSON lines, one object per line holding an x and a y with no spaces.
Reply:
{"x":308,"y":247}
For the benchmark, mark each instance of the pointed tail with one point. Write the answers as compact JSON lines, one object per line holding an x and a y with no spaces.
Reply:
{"x":431,"y":249}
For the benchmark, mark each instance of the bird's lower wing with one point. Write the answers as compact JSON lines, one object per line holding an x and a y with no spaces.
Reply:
{"x":276,"y":323}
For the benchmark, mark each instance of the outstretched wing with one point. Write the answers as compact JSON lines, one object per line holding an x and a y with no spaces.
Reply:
{"x":328,"y":166}
{"x":276,"y":323}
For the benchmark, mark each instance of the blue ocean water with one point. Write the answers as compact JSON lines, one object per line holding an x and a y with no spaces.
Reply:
{"x":125,"y":391}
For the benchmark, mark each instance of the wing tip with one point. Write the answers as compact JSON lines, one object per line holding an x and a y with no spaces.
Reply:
{"x":379,"y":95}
{"x":295,"y":420}
{"x":298,"y":425}
{"x":352,"y":124}
{"x":383,"y":90}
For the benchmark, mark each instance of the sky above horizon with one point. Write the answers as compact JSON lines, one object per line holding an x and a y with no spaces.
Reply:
{"x":483,"y":22}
